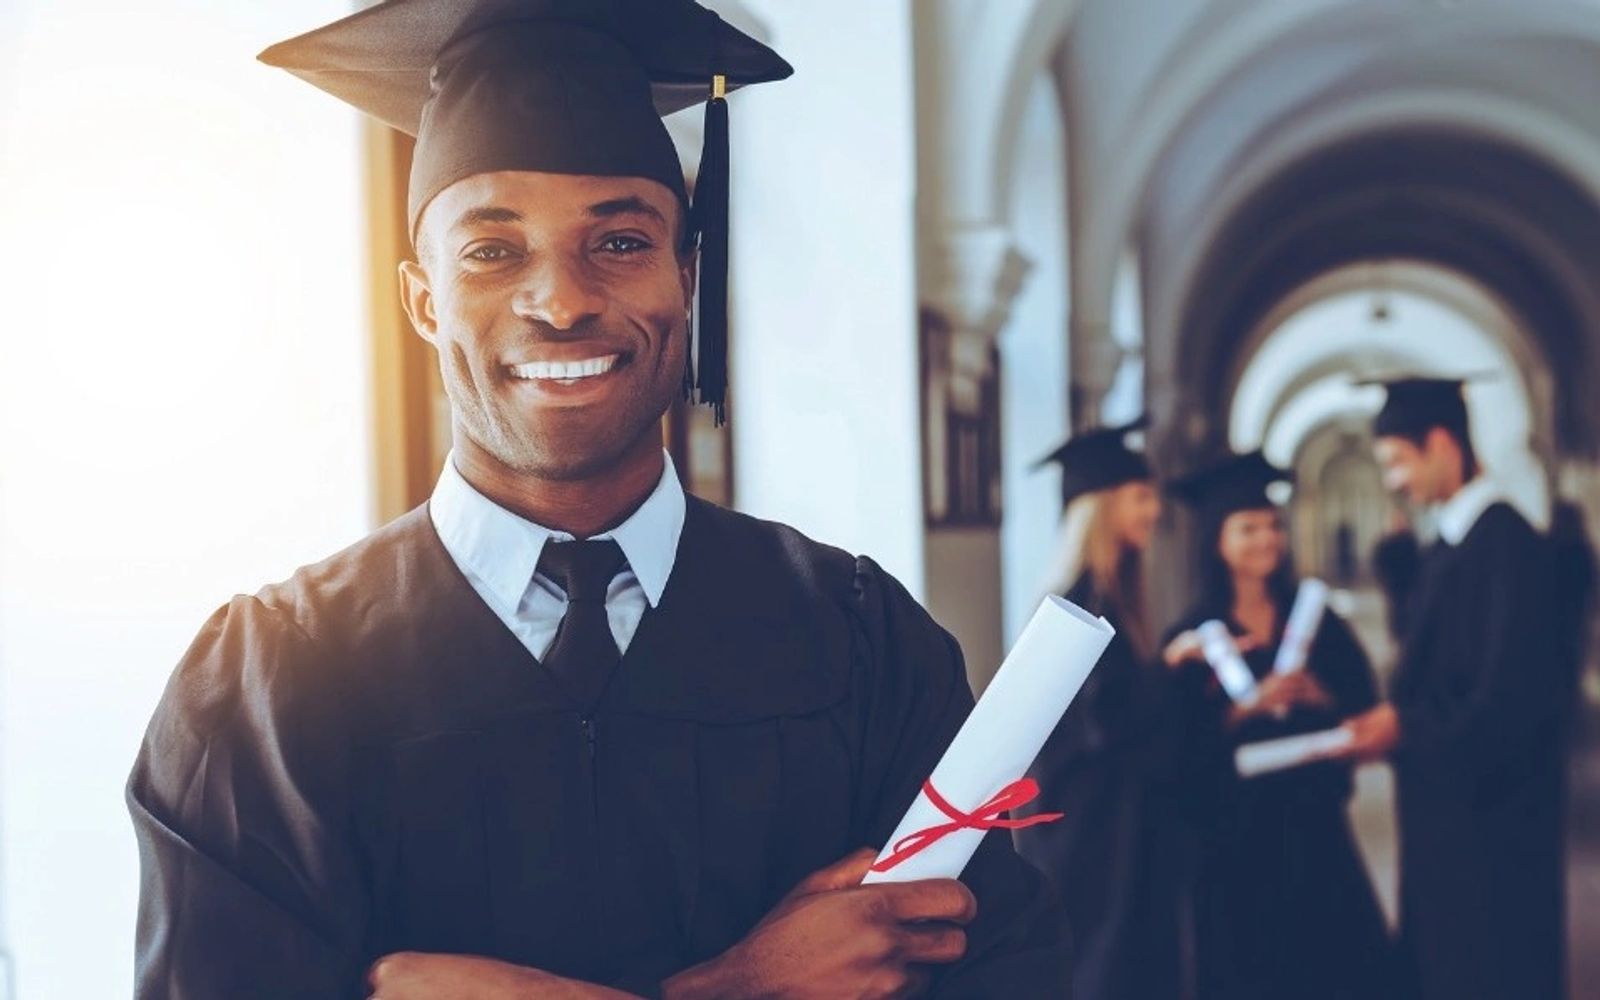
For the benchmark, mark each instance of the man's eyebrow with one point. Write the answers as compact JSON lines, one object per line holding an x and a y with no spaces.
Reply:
{"x":631,"y":205}
{"x":486,"y":213}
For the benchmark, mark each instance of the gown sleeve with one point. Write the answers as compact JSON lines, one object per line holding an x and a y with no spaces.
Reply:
{"x":249,"y":884}
{"x":1505,"y":691}
{"x":914,"y":697}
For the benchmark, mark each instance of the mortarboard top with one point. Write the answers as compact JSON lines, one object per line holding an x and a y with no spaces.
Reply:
{"x":555,"y":86}
{"x":1098,"y":460}
{"x":1415,"y":404}
{"x":1235,"y":483}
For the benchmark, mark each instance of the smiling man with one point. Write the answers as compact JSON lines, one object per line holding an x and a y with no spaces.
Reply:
{"x":1476,"y":719}
{"x":562,"y":731}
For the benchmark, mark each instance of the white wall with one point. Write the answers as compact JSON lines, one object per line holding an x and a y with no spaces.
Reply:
{"x":824,"y":362}
{"x":1034,"y":362}
{"x":183,"y":407}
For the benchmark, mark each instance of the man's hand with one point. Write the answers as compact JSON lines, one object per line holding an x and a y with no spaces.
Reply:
{"x":1374,"y":734}
{"x":411,"y":975}
{"x":833,"y":937}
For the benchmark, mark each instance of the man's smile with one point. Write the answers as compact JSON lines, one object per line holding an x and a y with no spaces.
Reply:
{"x":565,"y":372}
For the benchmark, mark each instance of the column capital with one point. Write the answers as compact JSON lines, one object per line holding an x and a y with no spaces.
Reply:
{"x":976,"y":274}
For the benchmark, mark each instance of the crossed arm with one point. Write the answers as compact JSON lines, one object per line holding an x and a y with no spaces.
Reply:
{"x":829,"y":937}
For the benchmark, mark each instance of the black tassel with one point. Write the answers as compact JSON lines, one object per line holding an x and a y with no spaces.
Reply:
{"x":688,"y":358}
{"x":711,"y":223}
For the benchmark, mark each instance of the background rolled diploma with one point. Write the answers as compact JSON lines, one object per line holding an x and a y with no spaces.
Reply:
{"x":1304,"y":618}
{"x":1267,"y":756}
{"x":1007,"y":728}
{"x":1223,"y":654}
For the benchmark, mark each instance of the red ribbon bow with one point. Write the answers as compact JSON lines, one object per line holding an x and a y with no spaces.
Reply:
{"x":985,"y":817}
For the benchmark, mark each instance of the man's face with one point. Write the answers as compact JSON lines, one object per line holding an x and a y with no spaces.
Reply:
{"x":1408,"y":469}
{"x":558,"y":306}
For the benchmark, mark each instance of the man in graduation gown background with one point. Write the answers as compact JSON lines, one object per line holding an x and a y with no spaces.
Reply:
{"x":563,"y":730}
{"x":1475,"y":721}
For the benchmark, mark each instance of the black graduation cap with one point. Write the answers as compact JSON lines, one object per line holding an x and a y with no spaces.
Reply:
{"x":1416,"y":404}
{"x":1098,"y":460}
{"x":1232,"y":484}
{"x":558,"y":86}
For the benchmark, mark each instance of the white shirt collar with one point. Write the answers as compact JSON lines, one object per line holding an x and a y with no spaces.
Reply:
{"x":1457,"y":515}
{"x":503,"y":548}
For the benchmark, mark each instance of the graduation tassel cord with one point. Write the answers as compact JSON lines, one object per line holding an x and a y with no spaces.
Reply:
{"x":711,"y":223}
{"x":688,"y":356}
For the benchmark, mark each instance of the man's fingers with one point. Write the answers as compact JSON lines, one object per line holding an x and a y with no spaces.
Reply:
{"x":933,"y":943}
{"x":930,"y":899}
{"x":915,"y":984}
{"x":388,"y":969}
{"x":848,"y":871}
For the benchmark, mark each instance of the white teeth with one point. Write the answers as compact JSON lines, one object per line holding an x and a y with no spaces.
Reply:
{"x":565,"y":372}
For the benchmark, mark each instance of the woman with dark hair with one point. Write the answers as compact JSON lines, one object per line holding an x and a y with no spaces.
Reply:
{"x":1111,"y":855}
{"x":1283,"y":904}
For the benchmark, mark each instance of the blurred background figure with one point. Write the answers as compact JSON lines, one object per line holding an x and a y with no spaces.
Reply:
{"x":1282,"y":903}
{"x":1476,"y":717}
{"x":1109,"y":766}
{"x":1015,"y":223}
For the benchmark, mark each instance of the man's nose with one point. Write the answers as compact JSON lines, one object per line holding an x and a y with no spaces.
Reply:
{"x":557,"y":291}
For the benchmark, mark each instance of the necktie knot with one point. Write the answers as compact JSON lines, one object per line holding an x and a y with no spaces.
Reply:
{"x":583,"y":570}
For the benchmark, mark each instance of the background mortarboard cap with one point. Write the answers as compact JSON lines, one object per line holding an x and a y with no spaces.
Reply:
{"x":1098,"y":460}
{"x":556,"y":86}
{"x":1415,"y":404}
{"x":1232,"y":484}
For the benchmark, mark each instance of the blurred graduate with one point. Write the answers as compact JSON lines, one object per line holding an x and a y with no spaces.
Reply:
{"x":1115,"y":856}
{"x":1477,"y":716}
{"x":1283,"y":905}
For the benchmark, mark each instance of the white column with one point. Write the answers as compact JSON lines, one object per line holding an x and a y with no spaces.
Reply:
{"x":976,"y":273}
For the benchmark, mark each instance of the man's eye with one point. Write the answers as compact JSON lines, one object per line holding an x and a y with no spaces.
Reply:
{"x":488,"y":253}
{"x":623,"y":245}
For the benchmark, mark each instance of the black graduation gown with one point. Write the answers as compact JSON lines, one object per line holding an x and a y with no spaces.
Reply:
{"x":363,"y":759}
{"x":1283,"y":905}
{"x":1481,"y":688}
{"x":1116,"y":854}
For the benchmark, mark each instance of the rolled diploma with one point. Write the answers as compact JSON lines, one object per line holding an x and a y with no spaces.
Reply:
{"x":1003,"y":734}
{"x":1304,"y":618}
{"x":1253,"y":759}
{"x":1216,"y":642}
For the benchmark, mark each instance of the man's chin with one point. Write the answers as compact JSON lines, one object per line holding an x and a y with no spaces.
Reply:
{"x":586,"y":452}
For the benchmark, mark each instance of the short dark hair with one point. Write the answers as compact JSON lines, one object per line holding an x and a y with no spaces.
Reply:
{"x":1458,"y":431}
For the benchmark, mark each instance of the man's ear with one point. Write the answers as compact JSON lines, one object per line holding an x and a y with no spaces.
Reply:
{"x":1440,"y":444}
{"x":417,"y":298}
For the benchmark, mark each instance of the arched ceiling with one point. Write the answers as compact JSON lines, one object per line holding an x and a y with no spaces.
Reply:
{"x":1247,"y":146}
{"x":1497,"y":215}
{"x":1175,"y":105}
{"x":1433,"y":322}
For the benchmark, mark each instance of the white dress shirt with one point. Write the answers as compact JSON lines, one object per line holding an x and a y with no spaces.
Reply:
{"x":1456,"y":516}
{"x":498,"y":552}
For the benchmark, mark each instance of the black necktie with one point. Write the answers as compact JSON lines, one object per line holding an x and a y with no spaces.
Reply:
{"x":584,"y":652}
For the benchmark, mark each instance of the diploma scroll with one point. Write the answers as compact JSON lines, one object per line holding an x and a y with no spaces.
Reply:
{"x":1304,"y":618}
{"x":980,"y":776}
{"x":1255,"y":759}
{"x":1216,"y":642}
